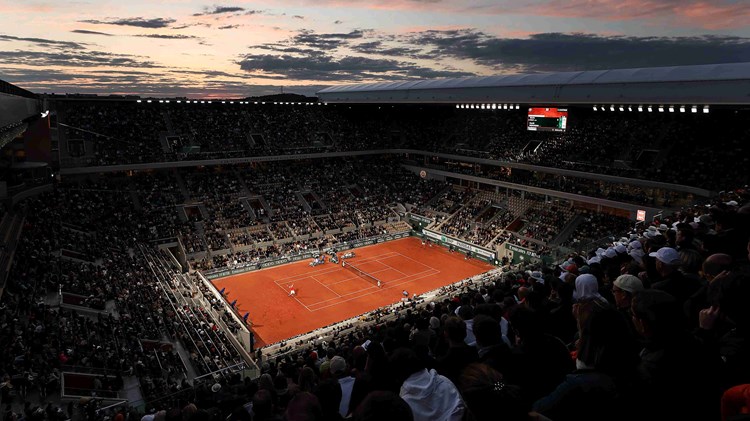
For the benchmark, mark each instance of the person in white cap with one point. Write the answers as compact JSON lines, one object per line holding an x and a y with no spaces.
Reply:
{"x":672,"y":281}
{"x":624,"y":287}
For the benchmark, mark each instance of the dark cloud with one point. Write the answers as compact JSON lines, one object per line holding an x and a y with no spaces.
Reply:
{"x":283,"y":48}
{"x":298,"y":17}
{"x":162,"y":36}
{"x":139,"y":22}
{"x":44,"y":42}
{"x":84,"y":31}
{"x":377,"y":48}
{"x":188,"y":25}
{"x":229,"y":26}
{"x":217,"y":10}
{"x":338,"y":22}
{"x":254,"y":12}
{"x":74,"y":59}
{"x":326,"y":41}
{"x":327,"y":68}
{"x":568,"y":52}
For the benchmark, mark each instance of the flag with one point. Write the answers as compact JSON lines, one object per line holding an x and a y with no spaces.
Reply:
{"x":246,"y":316}
{"x":222,"y":291}
{"x":233,"y":303}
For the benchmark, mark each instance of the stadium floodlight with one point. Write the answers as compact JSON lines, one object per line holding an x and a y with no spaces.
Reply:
{"x":223,"y":102}
{"x":630,"y":108}
{"x":167,"y":101}
{"x":705,"y":109}
{"x":611,"y":107}
{"x":640,"y":108}
{"x":661,"y":108}
{"x":209,"y":102}
{"x":595,"y":109}
{"x":148,"y":101}
{"x":179,"y":102}
{"x":494,"y":106}
{"x":671,"y":108}
{"x":161,"y":101}
{"x":45,"y":114}
{"x":139,"y":101}
{"x":650,"y":109}
{"x":621,"y":108}
{"x":481,"y":106}
{"x":682,"y":108}
{"x":694,"y":109}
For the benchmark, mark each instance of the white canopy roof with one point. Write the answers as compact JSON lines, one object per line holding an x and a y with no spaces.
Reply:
{"x":704,"y":84}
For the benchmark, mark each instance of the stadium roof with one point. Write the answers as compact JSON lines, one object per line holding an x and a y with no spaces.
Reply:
{"x":704,"y":84}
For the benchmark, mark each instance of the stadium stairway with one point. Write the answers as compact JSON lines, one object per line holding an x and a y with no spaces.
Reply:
{"x":181,"y":184}
{"x":567,"y":231}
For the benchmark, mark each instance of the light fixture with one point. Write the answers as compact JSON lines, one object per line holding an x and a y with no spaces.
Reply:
{"x":694,"y":109}
{"x":518,"y":107}
{"x":45,"y":114}
{"x":595,"y":109}
{"x":223,"y":102}
{"x":621,"y":108}
{"x":139,"y":101}
{"x":640,"y":108}
{"x":161,"y":101}
{"x":682,"y":108}
{"x":611,"y":107}
{"x":630,"y":108}
{"x":179,"y":102}
{"x":671,"y":108}
{"x":148,"y":101}
{"x":650,"y":109}
{"x":494,"y":106}
{"x":705,"y":109}
{"x":167,"y":101}
{"x":661,"y":108}
{"x":482,"y":106}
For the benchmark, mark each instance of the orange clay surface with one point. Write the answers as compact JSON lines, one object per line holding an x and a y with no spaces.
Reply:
{"x":329,"y":293}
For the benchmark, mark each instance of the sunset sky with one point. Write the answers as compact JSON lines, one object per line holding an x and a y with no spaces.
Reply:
{"x":245,"y":48}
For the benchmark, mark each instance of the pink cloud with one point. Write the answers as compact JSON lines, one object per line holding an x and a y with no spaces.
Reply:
{"x":706,"y":14}
{"x":712,"y":15}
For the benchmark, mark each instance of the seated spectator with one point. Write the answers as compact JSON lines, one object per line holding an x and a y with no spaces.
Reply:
{"x":432,"y":397}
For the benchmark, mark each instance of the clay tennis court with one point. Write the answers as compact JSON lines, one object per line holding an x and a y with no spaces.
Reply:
{"x":330,"y":293}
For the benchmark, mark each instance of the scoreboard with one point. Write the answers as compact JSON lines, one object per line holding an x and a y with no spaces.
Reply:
{"x":547,"y":119}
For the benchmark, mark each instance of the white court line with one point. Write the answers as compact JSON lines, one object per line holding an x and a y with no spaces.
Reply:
{"x":326,"y":286}
{"x":330,"y":269}
{"x":370,"y":293}
{"x":372,"y":286}
{"x":415,"y":261}
{"x":295,"y":297}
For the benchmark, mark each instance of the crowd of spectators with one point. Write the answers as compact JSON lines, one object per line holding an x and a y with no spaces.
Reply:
{"x":609,"y":331}
{"x":634,"y":145}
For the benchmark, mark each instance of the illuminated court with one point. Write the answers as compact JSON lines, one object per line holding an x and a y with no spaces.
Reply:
{"x":330,"y":293}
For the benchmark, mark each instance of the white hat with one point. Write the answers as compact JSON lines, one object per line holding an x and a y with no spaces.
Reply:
{"x":629,"y":283}
{"x":620,"y":249}
{"x":667,"y":255}
{"x":611,"y":253}
{"x":635,"y":245}
{"x":537,"y":275}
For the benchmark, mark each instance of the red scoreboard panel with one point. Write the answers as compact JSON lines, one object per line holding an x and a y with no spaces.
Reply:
{"x":547,"y":119}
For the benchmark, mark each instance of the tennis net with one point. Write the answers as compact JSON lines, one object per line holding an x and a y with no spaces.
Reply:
{"x":364,"y":275}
